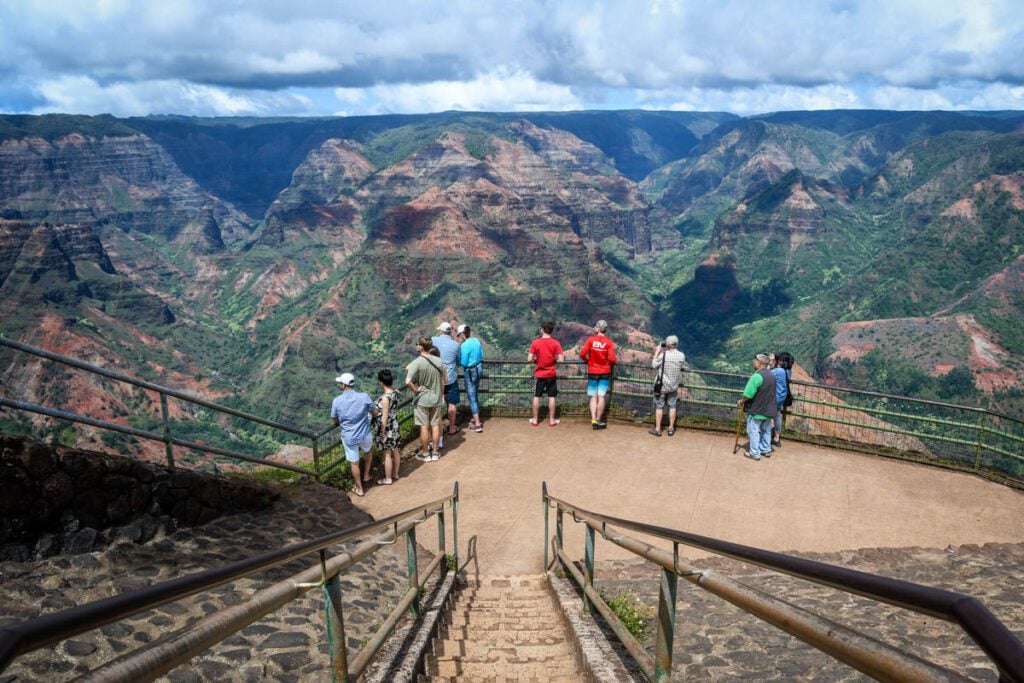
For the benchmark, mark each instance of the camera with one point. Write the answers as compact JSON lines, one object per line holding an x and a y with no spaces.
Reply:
{"x":661,"y":345}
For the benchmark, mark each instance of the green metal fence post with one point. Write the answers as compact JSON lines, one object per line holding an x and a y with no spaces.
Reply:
{"x":335,"y":625}
{"x":559,"y":531}
{"x":414,"y":574}
{"x":455,"y":525}
{"x":588,"y":575}
{"x":316,"y":456}
{"x":440,"y":540}
{"x":666,"y":626}
{"x":544,"y":503}
{"x":981,"y":436}
{"x":168,"y":446}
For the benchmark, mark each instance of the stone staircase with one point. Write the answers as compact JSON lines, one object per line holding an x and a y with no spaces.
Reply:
{"x":504,"y":629}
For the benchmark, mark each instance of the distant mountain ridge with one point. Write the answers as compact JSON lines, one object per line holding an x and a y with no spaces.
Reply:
{"x":260,"y":256}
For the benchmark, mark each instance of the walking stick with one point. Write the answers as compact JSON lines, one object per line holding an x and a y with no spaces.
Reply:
{"x":739,"y":424}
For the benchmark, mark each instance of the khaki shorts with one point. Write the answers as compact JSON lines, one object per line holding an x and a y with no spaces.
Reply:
{"x":424,"y":416}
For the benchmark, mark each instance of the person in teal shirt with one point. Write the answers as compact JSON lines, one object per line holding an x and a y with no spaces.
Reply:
{"x":471,"y":355}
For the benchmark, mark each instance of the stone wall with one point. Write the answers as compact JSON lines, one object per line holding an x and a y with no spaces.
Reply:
{"x":56,"y":500}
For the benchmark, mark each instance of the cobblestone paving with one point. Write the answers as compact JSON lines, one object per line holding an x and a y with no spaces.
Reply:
{"x":716,"y":641}
{"x":288,"y":645}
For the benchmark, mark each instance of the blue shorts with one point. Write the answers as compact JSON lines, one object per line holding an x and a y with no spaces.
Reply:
{"x":598,"y":385}
{"x":352,"y":450}
{"x":451,"y":393}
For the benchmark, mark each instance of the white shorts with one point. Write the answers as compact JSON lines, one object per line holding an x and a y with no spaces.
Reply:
{"x":352,"y":450}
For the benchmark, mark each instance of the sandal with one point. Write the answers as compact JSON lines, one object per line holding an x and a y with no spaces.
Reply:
{"x":671,"y":431}
{"x":359,"y":493}
{"x":385,"y":482}
{"x":653,"y":432}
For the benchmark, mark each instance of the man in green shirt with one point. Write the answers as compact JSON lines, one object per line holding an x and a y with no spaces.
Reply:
{"x":759,"y":403}
{"x":425,"y":379}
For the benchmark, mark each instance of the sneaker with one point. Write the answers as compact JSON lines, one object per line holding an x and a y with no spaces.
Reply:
{"x":600,"y":425}
{"x":653,"y":432}
{"x":768,"y":453}
{"x":423,"y":457}
{"x":553,"y":423}
{"x":476,"y":428}
{"x":533,"y":422}
{"x":440,"y":443}
{"x":752,"y":456}
{"x":435,"y":456}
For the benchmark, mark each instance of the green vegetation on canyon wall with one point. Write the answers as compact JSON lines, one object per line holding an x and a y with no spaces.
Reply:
{"x":248,"y":260}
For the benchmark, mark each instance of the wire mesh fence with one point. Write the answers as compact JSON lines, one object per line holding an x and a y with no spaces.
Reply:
{"x":958,"y":437}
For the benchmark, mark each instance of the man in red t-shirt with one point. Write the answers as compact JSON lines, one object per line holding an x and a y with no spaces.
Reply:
{"x":545,"y":351}
{"x":599,"y":352}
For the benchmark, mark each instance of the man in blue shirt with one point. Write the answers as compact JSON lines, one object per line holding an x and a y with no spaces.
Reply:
{"x":471,"y":355}
{"x":351,"y":411}
{"x":449,"y":349}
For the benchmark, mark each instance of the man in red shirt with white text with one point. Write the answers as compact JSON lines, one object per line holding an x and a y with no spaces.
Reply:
{"x":599,"y":352}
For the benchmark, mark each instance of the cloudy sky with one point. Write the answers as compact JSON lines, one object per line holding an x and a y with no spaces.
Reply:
{"x":347,"y":57}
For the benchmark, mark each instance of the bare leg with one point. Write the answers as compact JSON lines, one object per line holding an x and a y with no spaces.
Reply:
{"x":368,"y":465}
{"x":424,"y":439}
{"x":551,"y":409}
{"x":658,"y":413}
{"x":536,"y":408}
{"x":392,"y":463}
{"x":356,"y":478}
{"x":672,"y":417}
{"x":593,"y":408}
{"x":601,"y":400}
{"x":451,"y":417}
{"x":436,"y":429}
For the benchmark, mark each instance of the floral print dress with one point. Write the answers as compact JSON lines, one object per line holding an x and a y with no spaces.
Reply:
{"x":387,"y":436}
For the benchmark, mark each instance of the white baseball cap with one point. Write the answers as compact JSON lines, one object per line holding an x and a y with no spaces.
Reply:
{"x":462,"y":328}
{"x":347,"y":378}
{"x":445,"y":327}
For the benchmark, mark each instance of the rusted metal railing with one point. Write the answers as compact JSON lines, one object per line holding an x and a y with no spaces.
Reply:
{"x":856,"y":649}
{"x":156,"y":659}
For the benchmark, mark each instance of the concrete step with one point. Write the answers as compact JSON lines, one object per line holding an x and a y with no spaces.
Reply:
{"x":523,"y":671}
{"x":505,"y":637}
{"x":531,"y":652}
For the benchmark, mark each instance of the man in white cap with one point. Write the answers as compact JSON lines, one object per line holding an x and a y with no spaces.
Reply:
{"x":351,"y":411}
{"x":449,"y":349}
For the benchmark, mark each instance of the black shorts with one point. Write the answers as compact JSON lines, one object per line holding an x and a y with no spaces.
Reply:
{"x":545,"y":384}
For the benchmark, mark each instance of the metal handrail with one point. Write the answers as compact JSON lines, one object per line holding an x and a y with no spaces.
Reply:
{"x":997,"y":641}
{"x":174,"y":393}
{"x":20,"y":638}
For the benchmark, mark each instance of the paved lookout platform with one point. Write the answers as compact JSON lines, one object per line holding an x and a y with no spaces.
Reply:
{"x":804,"y":498}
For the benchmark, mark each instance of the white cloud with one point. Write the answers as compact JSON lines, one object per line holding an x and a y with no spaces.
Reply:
{"x":465,"y":53}
{"x":84,"y":95}
{"x":497,"y":91}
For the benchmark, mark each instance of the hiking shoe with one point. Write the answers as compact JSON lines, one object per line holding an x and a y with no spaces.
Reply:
{"x":653,"y":432}
{"x":423,"y":457}
{"x":752,"y":456}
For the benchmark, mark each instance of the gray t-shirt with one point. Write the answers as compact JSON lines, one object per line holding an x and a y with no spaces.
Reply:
{"x":427,"y":372}
{"x":675,"y":361}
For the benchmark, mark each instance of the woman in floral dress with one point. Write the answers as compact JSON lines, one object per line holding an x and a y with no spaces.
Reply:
{"x":386,"y":435}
